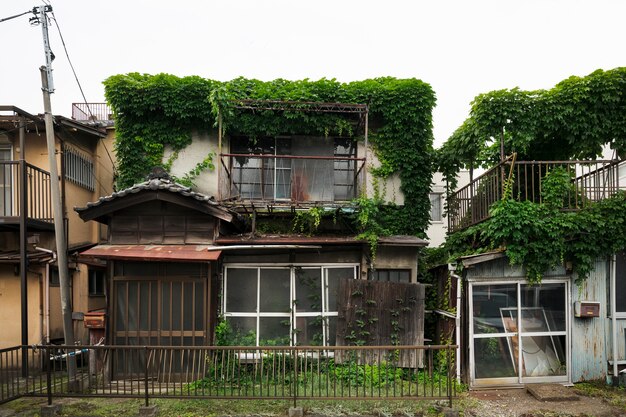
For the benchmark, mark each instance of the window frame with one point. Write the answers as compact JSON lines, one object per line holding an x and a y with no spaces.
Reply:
{"x":388,"y":271}
{"x":324,"y":312}
{"x":96,"y":273}
{"x":440,"y":208}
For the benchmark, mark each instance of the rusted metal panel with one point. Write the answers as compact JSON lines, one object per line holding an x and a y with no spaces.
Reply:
{"x":591,"y":336}
{"x":153,"y":252}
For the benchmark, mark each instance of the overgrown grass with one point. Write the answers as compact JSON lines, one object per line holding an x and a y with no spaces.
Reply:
{"x":616,"y":396}
{"x":101,"y":407}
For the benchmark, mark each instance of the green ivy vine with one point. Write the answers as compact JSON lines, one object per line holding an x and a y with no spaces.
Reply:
{"x":153,"y":112}
{"x":541,"y":236}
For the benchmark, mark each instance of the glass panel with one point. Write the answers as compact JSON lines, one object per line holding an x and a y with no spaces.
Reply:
{"x":120,"y":314}
{"x":144,"y":305}
{"x":132,"y":305}
{"x":493,"y":358}
{"x":166,"y":305}
{"x":333,"y":276}
{"x":242,"y":331}
{"x":312,"y":179}
{"x":188,"y":297}
{"x":274,"y":331}
{"x":176,"y":305}
{"x":308,"y":289}
{"x":488,"y":302}
{"x":331,"y":333}
{"x":199,"y":306}
{"x":275,"y":290}
{"x":241,"y":290}
{"x":543,"y":308}
{"x":309,"y":331}
{"x":154,"y":303}
{"x":543,"y":356}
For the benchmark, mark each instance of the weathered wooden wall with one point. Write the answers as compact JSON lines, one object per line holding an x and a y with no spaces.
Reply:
{"x":382,"y":314}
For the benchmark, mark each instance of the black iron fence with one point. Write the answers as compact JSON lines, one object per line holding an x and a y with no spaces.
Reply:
{"x":590,"y":181}
{"x":217,"y":372}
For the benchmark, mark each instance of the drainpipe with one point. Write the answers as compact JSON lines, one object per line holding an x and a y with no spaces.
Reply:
{"x":614,"y":320}
{"x":457,"y":320}
{"x":47,"y":290}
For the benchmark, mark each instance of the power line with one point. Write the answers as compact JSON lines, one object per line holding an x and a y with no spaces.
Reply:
{"x":56,"y":23}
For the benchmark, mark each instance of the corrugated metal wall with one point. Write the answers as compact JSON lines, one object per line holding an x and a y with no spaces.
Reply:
{"x":591,"y":337}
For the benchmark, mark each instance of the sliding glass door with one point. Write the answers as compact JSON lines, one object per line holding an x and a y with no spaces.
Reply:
{"x":518,"y":333}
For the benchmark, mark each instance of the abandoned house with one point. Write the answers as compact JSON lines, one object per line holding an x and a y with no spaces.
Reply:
{"x":262,"y":241}
{"x":513,"y":332}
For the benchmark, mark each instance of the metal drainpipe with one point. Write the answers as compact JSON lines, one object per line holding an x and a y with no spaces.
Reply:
{"x":47,"y":289}
{"x":457,"y":321}
{"x":614,"y":320}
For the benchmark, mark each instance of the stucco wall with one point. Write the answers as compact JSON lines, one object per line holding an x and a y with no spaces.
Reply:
{"x":10,"y":311}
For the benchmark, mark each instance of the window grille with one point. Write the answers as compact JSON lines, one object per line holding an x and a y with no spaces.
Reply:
{"x":79,"y":168}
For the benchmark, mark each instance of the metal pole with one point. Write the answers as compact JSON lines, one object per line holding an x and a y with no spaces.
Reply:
{"x":48,"y":372}
{"x":145,"y":379}
{"x":23,"y":253}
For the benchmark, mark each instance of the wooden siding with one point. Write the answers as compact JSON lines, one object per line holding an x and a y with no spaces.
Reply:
{"x":161,"y":223}
{"x":382,"y":314}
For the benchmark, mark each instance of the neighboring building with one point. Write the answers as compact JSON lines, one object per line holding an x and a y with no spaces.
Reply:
{"x":513,"y":333}
{"x":438,"y":229}
{"x":178,"y":259}
{"x":26,"y":216}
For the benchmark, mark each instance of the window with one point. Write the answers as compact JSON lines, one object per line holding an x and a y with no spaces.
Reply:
{"x":55,"y":281}
{"x":298,"y":168}
{"x":258,"y":303}
{"x":435,"y":207}
{"x":96,"y":282}
{"x":390,"y":275}
{"x":78,"y":168}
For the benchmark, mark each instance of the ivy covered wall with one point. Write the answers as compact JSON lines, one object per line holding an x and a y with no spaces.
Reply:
{"x":153,"y":112}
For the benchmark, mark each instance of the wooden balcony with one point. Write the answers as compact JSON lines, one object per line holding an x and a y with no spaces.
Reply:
{"x":591,"y":181}
{"x":24,"y":190}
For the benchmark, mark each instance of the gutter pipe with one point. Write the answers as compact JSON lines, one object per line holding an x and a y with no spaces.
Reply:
{"x":47,"y":290}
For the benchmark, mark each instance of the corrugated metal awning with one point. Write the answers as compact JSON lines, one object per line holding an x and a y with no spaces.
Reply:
{"x":171,"y":253}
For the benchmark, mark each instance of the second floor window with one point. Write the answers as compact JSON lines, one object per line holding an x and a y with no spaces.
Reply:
{"x":297,"y":168}
{"x":79,"y":168}
{"x":436,"y":207}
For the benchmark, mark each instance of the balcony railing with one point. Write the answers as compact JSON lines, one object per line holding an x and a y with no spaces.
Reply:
{"x":290,"y":179}
{"x":36,"y":183}
{"x":91,"y":112}
{"x":590,"y":181}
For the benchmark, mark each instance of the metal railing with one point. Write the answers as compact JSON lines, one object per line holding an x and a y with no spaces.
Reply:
{"x":36,"y":183}
{"x":290,"y":179}
{"x":590,"y":181}
{"x":217,"y":372}
{"x":91,"y":111}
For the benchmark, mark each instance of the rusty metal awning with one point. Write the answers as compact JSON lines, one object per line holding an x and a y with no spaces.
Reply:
{"x":155,"y":253}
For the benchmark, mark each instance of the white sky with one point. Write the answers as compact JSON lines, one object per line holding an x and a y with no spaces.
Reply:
{"x":460,"y":47}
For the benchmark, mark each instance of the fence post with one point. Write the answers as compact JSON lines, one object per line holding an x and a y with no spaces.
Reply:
{"x":449,"y":372}
{"x":295,"y":376}
{"x":48,"y":373}
{"x":145,"y":379}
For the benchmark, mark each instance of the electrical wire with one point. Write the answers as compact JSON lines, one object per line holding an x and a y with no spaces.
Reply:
{"x":56,"y":23}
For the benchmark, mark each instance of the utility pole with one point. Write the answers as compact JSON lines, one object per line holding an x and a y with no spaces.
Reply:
{"x":47,"y":86}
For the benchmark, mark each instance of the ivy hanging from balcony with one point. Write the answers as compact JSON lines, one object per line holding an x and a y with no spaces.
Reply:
{"x":156,"y":111}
